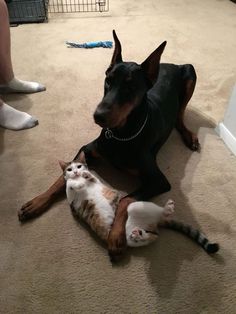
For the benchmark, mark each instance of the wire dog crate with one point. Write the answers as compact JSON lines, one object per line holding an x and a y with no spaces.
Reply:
{"x":27,"y":11}
{"x":70,"y":6}
{"x":36,"y":11}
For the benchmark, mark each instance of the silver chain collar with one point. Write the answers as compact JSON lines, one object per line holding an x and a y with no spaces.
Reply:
{"x":109,"y":134}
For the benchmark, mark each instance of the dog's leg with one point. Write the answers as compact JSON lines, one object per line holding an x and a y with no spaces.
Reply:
{"x":153,"y":183}
{"x":189,"y":81}
{"x":117,"y":235}
{"x":42,"y":202}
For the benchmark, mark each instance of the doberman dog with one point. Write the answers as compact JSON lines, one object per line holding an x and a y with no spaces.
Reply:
{"x":140,"y":107}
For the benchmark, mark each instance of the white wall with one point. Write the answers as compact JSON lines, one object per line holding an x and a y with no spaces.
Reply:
{"x":227,"y":128}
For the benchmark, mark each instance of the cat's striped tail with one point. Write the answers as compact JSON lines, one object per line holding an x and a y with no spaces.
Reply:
{"x":193,"y":234}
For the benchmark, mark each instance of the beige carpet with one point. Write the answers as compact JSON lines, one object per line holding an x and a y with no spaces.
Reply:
{"x":52,"y":264}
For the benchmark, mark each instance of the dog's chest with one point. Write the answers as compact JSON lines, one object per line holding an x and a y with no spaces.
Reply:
{"x":120,"y":153}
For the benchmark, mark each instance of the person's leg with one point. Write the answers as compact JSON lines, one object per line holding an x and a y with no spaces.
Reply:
{"x":8,"y":82}
{"x":13,"y":119}
{"x":6,"y":70}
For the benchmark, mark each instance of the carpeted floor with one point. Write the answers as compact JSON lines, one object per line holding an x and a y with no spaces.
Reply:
{"x":52,"y":264}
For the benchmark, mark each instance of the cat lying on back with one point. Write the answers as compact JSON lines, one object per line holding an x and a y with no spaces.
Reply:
{"x":96,"y":203}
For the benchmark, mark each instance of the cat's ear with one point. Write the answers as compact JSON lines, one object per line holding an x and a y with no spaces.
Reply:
{"x":63,"y":164}
{"x":81,"y":158}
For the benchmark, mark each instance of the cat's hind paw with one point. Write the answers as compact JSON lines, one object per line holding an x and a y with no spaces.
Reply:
{"x":136,"y":234}
{"x":169,"y":207}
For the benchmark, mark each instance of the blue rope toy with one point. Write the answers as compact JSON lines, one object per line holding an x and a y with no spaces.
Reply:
{"x":95,"y":44}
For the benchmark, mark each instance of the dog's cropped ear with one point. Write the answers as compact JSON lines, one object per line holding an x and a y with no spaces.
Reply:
{"x":116,"y":58}
{"x":63,"y":164}
{"x":151,"y":64}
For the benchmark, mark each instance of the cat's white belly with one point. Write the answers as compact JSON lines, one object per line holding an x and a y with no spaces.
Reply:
{"x":105,"y":210}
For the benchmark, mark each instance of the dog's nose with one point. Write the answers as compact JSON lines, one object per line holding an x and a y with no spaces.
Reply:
{"x":99,"y":117}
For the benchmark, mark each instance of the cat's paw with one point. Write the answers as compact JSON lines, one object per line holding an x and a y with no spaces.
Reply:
{"x":86,"y":175}
{"x":136,"y":234}
{"x":169,"y":208}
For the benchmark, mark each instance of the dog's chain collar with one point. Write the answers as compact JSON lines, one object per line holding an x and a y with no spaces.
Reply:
{"x":109,"y":134}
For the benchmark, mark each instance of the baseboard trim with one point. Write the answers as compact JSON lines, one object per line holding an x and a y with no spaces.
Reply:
{"x":227,"y":137}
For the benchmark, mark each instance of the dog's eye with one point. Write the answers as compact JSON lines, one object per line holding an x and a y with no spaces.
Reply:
{"x":69,"y":169}
{"x":79,"y":166}
{"x":108,"y":81}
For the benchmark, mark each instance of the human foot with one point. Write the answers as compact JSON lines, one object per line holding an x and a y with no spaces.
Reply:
{"x":13,"y":119}
{"x":19,"y":86}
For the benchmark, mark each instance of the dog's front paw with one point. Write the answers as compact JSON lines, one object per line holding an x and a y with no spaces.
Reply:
{"x":34,"y":208}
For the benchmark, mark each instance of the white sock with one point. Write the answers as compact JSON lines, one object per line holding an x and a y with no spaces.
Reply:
{"x":19,"y":86}
{"x":13,"y":119}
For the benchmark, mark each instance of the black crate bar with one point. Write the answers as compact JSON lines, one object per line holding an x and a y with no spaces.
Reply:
{"x":70,"y":6}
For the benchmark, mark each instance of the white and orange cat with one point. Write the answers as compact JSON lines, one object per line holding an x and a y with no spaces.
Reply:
{"x":96,"y":203}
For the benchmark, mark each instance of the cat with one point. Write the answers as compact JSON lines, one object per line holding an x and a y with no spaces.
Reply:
{"x":96,"y":203}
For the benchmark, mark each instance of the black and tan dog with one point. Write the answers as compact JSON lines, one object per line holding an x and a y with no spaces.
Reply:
{"x":140,"y":107}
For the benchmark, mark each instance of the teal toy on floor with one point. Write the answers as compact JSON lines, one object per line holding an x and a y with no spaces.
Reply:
{"x":95,"y":44}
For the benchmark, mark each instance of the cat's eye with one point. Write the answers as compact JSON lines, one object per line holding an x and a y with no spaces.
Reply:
{"x":69,"y":169}
{"x":140,"y":232}
{"x":79,"y":166}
